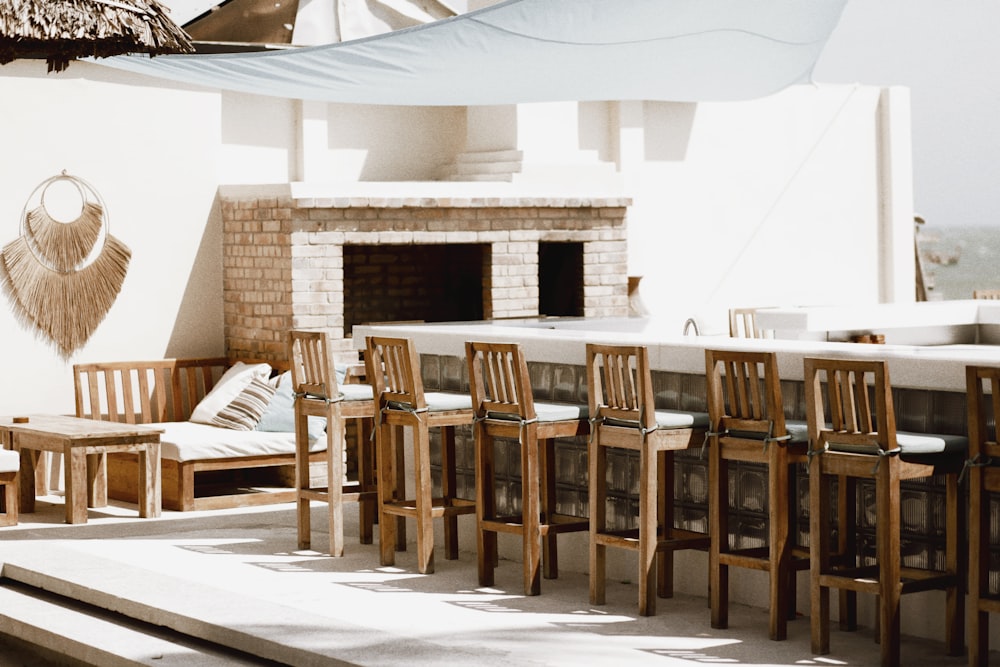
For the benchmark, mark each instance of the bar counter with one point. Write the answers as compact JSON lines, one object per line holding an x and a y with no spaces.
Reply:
{"x":929,"y":396}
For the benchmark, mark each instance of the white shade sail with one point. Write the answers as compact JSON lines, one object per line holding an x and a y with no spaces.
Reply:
{"x":538,"y":51}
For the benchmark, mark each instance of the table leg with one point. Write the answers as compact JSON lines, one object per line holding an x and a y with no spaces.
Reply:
{"x":150,"y":494}
{"x":27,"y":478}
{"x":41,"y":460}
{"x":97,"y":480}
{"x":75,"y":461}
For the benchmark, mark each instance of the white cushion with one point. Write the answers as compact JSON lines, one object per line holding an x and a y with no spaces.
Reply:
{"x":233,"y":381}
{"x":549,"y":412}
{"x":798,"y":432}
{"x":439,"y":401}
{"x":668,"y":419}
{"x":359,"y":392}
{"x":10,"y":461}
{"x":914,"y":444}
{"x":931,"y":443}
{"x":187,"y":441}
{"x":446,"y":400}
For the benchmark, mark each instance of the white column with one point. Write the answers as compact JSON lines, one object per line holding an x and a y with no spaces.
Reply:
{"x":897,"y":282}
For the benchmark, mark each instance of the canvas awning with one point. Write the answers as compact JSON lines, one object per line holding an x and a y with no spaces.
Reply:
{"x":540,"y":50}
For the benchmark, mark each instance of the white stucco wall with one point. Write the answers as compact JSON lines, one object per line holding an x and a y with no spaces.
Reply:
{"x":748,"y":203}
{"x":152,"y":154}
{"x":774,"y":201}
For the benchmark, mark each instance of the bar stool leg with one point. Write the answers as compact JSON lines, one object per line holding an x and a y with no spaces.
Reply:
{"x":397,"y":479}
{"x":888,"y":553}
{"x":955,"y":596}
{"x":449,"y":482}
{"x":335,"y":485}
{"x":547,"y":471}
{"x":531,"y":513}
{"x":486,"y":540}
{"x":597,"y":458}
{"x":424,"y":499}
{"x":819,"y":556}
{"x":648,"y":521}
{"x":387,"y":490}
{"x":718,"y":484}
{"x":368,"y":509}
{"x":665,"y":522}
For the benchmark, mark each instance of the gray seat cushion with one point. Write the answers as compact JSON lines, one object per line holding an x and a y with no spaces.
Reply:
{"x":917,"y":445}
{"x":356,"y":392}
{"x":668,"y":419}
{"x":798,"y":430}
{"x":549,"y":412}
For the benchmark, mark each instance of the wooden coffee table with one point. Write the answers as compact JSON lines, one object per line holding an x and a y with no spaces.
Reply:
{"x":79,"y":440}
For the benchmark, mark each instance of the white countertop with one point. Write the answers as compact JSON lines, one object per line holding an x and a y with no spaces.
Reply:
{"x":563,"y":340}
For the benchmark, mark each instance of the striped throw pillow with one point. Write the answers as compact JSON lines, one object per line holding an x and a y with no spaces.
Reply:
{"x":243,"y":413}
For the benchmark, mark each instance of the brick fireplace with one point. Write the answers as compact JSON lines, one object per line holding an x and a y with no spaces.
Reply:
{"x":331,"y":263}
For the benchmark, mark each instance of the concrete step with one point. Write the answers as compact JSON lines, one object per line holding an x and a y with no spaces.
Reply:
{"x":220,"y":619}
{"x":197,"y":617}
{"x":88,"y":636}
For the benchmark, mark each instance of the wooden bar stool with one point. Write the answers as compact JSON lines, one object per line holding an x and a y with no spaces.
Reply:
{"x":317,"y":394}
{"x":852,"y":433}
{"x":743,"y":324}
{"x":983,"y":395}
{"x":748,"y":424}
{"x":10,"y":464}
{"x":505,"y":408}
{"x":623,"y":416}
{"x":401,"y":403}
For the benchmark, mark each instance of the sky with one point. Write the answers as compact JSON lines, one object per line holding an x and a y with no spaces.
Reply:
{"x":946,"y":53}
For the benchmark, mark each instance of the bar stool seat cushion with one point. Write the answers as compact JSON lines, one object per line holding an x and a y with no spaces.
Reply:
{"x":797,"y":430}
{"x":549,"y":412}
{"x":668,"y":419}
{"x":357,"y":392}
{"x":10,"y":461}
{"x":439,"y":401}
{"x":916,"y":444}
{"x":931,"y":443}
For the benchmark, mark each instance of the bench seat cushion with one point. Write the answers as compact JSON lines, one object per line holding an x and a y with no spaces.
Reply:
{"x":188,"y":441}
{"x":10,"y":461}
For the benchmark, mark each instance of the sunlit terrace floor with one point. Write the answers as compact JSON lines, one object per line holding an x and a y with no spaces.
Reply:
{"x":235,"y":579}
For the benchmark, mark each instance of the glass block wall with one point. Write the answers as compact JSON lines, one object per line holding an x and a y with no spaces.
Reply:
{"x":917,"y":410}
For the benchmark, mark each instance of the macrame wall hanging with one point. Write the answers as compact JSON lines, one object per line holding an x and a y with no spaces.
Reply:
{"x":63,"y":276}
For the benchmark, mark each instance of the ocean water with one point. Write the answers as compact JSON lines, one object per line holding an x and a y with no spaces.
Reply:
{"x":976,"y":255}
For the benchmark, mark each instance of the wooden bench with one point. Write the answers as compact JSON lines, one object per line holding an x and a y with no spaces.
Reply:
{"x":166,"y":392}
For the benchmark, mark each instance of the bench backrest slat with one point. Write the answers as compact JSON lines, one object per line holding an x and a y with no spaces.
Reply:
{"x":144,"y":392}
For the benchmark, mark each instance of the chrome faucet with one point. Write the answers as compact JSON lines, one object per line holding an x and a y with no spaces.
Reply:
{"x":691,"y":323}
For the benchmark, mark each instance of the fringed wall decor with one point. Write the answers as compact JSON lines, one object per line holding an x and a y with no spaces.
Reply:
{"x":62,"y":277}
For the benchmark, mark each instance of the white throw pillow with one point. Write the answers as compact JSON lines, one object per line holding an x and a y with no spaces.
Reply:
{"x":229,"y":386}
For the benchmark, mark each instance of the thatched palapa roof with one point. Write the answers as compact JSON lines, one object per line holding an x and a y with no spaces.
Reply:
{"x":63,"y":30}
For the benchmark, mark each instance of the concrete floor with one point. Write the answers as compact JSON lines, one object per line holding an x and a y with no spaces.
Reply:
{"x":235,"y":579}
